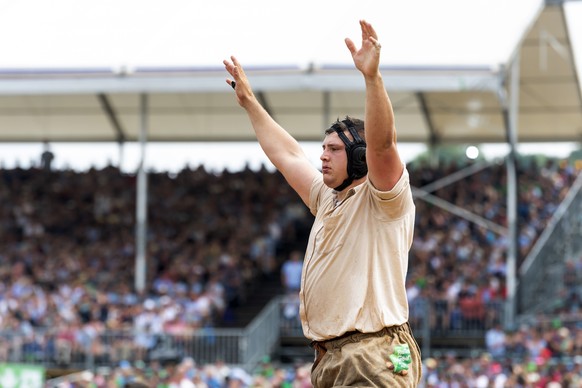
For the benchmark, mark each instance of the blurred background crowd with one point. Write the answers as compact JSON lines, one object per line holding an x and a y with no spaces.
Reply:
{"x":67,"y":264}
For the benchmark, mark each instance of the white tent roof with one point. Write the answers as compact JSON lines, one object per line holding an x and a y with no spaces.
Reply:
{"x":440,"y":103}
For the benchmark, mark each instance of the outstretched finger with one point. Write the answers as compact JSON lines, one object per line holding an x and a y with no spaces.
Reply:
{"x":364,"y":28}
{"x":228,"y":66}
{"x":237,"y":71}
{"x":369,"y":29}
{"x":351,"y":46}
{"x":237,"y":66}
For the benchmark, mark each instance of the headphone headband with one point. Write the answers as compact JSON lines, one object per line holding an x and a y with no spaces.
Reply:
{"x":356,"y":152}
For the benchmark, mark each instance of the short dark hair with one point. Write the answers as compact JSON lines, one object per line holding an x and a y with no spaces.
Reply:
{"x":343,"y":125}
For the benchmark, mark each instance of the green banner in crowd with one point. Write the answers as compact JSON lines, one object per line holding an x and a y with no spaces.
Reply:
{"x":21,"y":376}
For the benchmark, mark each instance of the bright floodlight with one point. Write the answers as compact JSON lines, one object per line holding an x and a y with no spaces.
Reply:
{"x":472,"y":152}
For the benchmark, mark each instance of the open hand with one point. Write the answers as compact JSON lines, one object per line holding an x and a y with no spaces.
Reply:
{"x":367,"y":58}
{"x":239,"y":81}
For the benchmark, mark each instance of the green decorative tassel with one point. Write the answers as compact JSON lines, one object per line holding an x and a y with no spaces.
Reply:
{"x":400,"y":358}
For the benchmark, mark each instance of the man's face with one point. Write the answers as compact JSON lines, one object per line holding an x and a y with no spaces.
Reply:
{"x":334,"y":160}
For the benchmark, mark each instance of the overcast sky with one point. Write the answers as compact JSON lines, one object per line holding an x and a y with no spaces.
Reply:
{"x":132,"y":33}
{"x":37,"y":33}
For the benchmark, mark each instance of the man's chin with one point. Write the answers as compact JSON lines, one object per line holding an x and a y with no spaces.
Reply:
{"x":329,"y":182}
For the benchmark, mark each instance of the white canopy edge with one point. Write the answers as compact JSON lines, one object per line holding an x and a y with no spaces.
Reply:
{"x":180,"y":80}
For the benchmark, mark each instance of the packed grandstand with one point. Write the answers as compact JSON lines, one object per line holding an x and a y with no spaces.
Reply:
{"x":68,"y":302}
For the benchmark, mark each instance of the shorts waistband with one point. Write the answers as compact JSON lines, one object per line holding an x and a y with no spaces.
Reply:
{"x":355,"y":336}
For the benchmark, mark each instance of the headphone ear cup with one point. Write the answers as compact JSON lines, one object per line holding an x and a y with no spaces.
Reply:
{"x":359,"y":166}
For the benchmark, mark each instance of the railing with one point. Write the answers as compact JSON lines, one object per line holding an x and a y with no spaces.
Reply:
{"x":53,"y":349}
{"x":435,"y":323}
{"x":541,"y":285}
{"x":86,"y":349}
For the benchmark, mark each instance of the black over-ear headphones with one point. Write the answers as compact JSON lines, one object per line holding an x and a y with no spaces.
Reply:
{"x":356,"y":151}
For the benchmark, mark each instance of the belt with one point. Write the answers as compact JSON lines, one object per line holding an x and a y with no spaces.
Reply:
{"x":346,"y":335}
{"x":321,"y":347}
{"x":355,"y":336}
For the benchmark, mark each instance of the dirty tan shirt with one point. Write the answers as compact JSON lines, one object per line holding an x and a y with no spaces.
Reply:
{"x":356,"y":260}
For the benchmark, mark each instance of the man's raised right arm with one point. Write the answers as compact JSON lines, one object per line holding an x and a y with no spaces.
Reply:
{"x":280,"y":147}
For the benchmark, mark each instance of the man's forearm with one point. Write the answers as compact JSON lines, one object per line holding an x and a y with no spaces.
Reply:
{"x":380,"y":128}
{"x":275,"y":141}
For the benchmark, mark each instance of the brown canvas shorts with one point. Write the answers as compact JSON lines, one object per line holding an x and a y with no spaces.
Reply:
{"x":359,"y":360}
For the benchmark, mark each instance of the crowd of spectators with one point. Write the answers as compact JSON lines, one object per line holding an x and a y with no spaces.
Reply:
{"x":67,"y":246}
{"x":524,"y":363}
{"x":460,"y":266}
{"x":542,"y":355}
{"x":67,"y":249}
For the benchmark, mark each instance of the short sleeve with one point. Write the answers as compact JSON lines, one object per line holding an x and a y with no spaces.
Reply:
{"x":315,"y":194}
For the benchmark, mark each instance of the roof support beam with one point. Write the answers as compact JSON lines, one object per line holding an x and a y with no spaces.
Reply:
{"x":425,"y":191}
{"x":112,"y":116}
{"x":433,"y":137}
{"x":326,"y":109}
{"x":458,"y":211}
{"x":141,"y":210}
{"x":509,"y":98}
{"x":456,"y":176}
{"x":262,"y":97}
